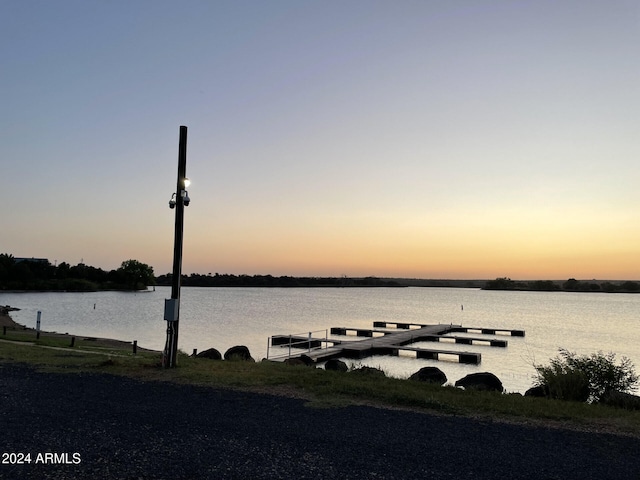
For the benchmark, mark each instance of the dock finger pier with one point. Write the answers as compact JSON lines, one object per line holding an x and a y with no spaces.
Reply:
{"x":389,"y":338}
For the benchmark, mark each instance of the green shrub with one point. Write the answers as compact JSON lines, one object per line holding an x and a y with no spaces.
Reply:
{"x":586,"y":377}
{"x":563,"y":382}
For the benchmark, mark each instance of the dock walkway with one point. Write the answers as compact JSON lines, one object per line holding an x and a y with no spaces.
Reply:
{"x":396,"y":337}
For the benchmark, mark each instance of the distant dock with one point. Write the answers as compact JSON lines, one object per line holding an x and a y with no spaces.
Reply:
{"x":387,"y":338}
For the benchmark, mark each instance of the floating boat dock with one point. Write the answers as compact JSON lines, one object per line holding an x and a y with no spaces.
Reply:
{"x":395,"y":339}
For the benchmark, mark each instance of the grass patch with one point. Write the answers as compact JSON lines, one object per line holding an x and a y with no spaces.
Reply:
{"x":320,"y":388}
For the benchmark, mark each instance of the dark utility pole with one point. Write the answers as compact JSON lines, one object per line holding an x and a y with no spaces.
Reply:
{"x":172,"y":306}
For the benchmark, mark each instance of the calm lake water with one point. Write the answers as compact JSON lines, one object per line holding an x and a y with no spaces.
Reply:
{"x":224,"y":317}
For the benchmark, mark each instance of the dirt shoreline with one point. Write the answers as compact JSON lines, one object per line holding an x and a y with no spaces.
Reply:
{"x":10,"y":324}
{"x":6,"y":320}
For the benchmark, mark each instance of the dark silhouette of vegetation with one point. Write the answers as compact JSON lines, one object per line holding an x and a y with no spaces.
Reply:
{"x":227,"y":280}
{"x":40,"y":274}
{"x":438,"y":283}
{"x":571,"y":285}
{"x":586,"y":377}
{"x":136,"y":275}
{"x":503,"y":283}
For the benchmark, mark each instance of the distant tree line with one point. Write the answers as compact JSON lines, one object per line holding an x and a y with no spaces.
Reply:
{"x":571,"y":285}
{"x":40,"y":274}
{"x":438,"y":283}
{"x":227,"y":280}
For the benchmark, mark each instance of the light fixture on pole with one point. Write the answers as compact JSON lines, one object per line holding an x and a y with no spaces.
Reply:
{"x":178,"y":201}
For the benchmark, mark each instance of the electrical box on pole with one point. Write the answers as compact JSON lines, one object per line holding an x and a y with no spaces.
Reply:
{"x":171,"y":309}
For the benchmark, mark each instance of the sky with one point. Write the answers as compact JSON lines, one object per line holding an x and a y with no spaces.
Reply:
{"x":419,"y":139}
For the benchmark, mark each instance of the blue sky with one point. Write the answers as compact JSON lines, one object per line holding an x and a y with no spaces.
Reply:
{"x":455,"y":139}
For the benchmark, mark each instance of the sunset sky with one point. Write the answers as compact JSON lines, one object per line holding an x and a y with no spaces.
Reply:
{"x":426,"y":139}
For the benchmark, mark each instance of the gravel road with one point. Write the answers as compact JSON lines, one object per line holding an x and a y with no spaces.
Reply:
{"x":98,"y":426}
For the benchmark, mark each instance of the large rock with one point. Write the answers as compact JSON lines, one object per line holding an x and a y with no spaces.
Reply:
{"x":239,"y":352}
{"x":304,"y":360}
{"x":481,"y":381}
{"x":211,"y":353}
{"x":621,"y":400}
{"x":430,"y":375}
{"x":537,"y":391}
{"x":336,"y":365}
